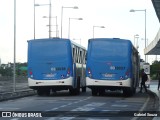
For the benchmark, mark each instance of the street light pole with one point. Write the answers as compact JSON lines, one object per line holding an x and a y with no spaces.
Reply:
{"x":97,"y":26}
{"x":50,"y":19}
{"x":132,"y":10}
{"x":69,"y":29}
{"x":52,"y":25}
{"x":137,"y":42}
{"x":135,"y":36}
{"x":34,"y":21}
{"x":69,"y":25}
{"x":75,"y":7}
{"x":14,"y":65}
{"x":35,"y":5}
{"x":61,"y":20}
{"x":145,"y":36}
{"x":78,"y":39}
{"x":56,"y":27}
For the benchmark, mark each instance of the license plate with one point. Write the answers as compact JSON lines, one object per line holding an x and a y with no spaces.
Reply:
{"x":50,"y":75}
{"x":107,"y":75}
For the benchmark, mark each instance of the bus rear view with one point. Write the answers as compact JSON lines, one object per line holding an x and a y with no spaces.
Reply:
{"x":49,"y":65}
{"x":110,"y":66}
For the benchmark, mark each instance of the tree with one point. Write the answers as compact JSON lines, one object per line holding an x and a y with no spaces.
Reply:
{"x":6,"y":71}
{"x":154,"y":69}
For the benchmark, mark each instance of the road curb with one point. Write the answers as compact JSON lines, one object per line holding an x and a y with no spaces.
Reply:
{"x":154,"y":100}
{"x":15,"y":95}
{"x":155,"y":104}
{"x":151,"y":104}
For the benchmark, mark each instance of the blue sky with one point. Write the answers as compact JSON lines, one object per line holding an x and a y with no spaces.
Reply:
{"x":113,"y":14}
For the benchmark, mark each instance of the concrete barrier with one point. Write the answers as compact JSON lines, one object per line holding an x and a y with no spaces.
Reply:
{"x":15,"y":95}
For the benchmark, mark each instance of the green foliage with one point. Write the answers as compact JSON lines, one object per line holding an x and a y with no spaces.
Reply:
{"x":154,"y":69}
{"x":7,"y":70}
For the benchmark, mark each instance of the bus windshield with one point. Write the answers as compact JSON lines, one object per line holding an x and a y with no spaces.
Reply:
{"x":50,"y":49}
{"x":109,"y":49}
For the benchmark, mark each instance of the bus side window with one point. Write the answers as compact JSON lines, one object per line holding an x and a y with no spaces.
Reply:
{"x":81,"y":58}
{"x":73,"y":52}
{"x":78,"y":56}
{"x":85,"y":57}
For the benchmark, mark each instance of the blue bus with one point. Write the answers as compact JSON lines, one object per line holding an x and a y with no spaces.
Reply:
{"x":112,"y":64}
{"x":56,"y":64}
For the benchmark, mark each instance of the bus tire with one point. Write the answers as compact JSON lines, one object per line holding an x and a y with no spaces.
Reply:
{"x":47,"y":92}
{"x":134,"y":90}
{"x":94,"y":92}
{"x":83,"y":89}
{"x":76,"y":91}
{"x":78,"y":85}
{"x":101,"y":92}
{"x":127,"y":92}
{"x":71,"y":91}
{"x":40,"y":92}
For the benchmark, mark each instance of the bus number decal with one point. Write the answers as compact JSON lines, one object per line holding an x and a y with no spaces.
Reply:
{"x":112,"y":67}
{"x":60,"y":68}
{"x":119,"y":68}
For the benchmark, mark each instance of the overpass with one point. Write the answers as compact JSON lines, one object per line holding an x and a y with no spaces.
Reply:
{"x":154,"y":47}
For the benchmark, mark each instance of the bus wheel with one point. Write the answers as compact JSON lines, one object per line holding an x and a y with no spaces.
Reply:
{"x":40,"y":92}
{"x":47,"y":92}
{"x":78,"y":85}
{"x":94,"y":92}
{"x":77,"y":91}
{"x":134,"y":90}
{"x":73,"y":91}
{"x":127,"y":92}
{"x":83,"y":89}
{"x":101,"y":92}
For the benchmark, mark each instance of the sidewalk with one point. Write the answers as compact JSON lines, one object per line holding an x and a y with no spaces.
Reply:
{"x":10,"y":91}
{"x":153,"y":88}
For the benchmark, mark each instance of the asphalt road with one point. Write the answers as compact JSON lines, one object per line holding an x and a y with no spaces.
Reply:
{"x":62,"y":106}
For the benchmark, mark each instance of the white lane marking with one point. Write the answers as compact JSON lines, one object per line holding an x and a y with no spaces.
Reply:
{"x":84,"y":108}
{"x":96,"y":119}
{"x":95,"y":104}
{"x":88,"y":107}
{"x":66,"y":118}
{"x":145,"y":104}
{"x":63,"y":106}
{"x":68,"y":103}
{"x":15,"y":119}
{"x":69,"y":99}
{"x":7,"y":108}
{"x":111,"y":110}
{"x":52,"y":118}
{"x":60,"y":118}
{"x":54,"y":109}
{"x":116,"y":105}
{"x":76,"y":102}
